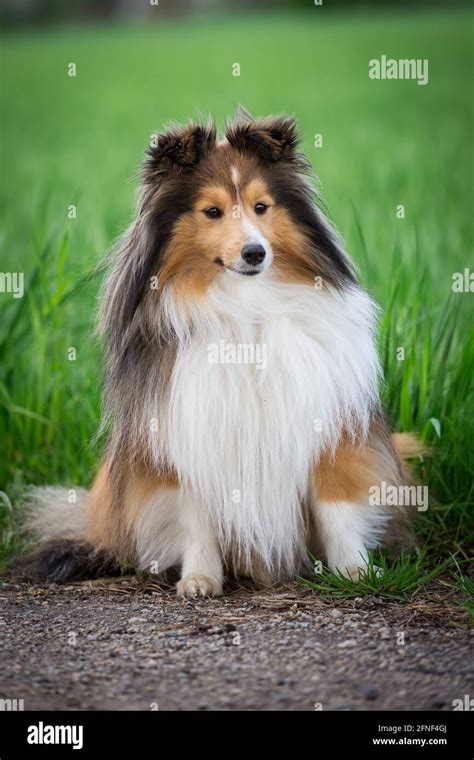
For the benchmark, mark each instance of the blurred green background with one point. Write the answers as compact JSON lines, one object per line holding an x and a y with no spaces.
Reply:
{"x":79,"y":140}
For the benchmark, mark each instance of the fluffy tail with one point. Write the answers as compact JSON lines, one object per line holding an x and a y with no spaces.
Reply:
{"x":408,"y":446}
{"x":55,"y":519}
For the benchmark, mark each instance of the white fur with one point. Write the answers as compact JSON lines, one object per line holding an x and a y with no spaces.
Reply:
{"x":234,"y":173}
{"x":232,"y":429}
{"x":159,"y":532}
{"x":346,"y":531}
{"x":254,"y":235}
{"x":50,"y":513}
{"x":201,"y":572}
{"x":173,"y":531}
{"x":229,"y":428}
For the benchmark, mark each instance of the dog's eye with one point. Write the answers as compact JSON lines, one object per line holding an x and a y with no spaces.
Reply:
{"x":260,"y":208}
{"x":213,"y":213}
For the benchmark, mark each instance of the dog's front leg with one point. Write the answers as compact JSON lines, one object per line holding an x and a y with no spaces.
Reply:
{"x":347,"y":521}
{"x":201,"y":573}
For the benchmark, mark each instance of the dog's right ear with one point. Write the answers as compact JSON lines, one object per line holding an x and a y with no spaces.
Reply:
{"x":273,"y":138}
{"x":181,"y":147}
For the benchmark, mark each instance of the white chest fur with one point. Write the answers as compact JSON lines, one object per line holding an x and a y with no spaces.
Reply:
{"x":266,"y":377}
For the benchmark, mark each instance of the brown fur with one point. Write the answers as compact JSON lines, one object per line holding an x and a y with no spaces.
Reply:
{"x":408,"y":446}
{"x":348,"y":474}
{"x":199,"y":245}
{"x":111,"y":524}
{"x":345,"y":475}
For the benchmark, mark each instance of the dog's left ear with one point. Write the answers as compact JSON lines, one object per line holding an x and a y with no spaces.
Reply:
{"x":181,"y":147}
{"x":274,"y":138}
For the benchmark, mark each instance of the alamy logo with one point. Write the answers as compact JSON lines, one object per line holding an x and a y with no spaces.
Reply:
{"x":12,"y":282}
{"x":405,"y":68}
{"x":389,"y":495}
{"x":463,"y":704}
{"x":11,"y":705}
{"x":237,"y":353}
{"x":42,"y":734}
{"x":463,"y":282}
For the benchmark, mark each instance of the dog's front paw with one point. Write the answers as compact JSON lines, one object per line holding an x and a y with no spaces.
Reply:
{"x":193,"y":586}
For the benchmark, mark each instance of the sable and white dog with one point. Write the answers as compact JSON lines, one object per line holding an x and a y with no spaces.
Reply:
{"x":217,"y":463}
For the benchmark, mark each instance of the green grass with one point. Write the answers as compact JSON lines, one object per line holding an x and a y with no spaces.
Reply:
{"x":392,"y":579}
{"x":79,"y":140}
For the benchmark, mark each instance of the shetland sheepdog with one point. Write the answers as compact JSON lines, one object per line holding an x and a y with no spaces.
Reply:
{"x":241,"y":401}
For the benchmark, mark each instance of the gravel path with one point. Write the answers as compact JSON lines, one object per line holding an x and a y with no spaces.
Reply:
{"x":130,"y":644}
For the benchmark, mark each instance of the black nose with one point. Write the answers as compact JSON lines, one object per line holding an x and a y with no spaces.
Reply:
{"x":253,"y":253}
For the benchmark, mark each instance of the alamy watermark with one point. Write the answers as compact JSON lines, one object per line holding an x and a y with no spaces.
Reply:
{"x":389,"y":495}
{"x":12,"y":282}
{"x":463,"y":282}
{"x":466,"y":703}
{"x":237,"y":353}
{"x":12,"y":705}
{"x":403,"y":68}
{"x":48,"y":734}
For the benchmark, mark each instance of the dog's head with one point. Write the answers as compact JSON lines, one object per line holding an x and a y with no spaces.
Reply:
{"x":241,"y":207}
